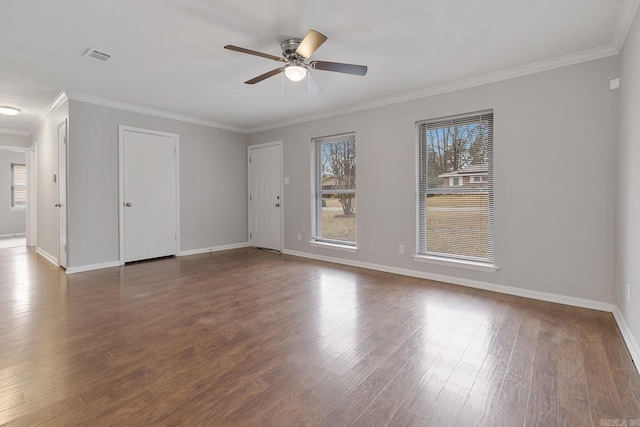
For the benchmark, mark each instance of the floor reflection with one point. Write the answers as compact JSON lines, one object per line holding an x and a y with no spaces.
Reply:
{"x":338,"y":312}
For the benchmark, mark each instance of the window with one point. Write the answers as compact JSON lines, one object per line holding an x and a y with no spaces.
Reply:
{"x":335,"y":189}
{"x":18,"y":185}
{"x":456,"y":217}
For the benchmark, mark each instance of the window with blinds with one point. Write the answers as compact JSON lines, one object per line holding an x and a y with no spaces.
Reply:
{"x":455,"y":188}
{"x":18,"y":185}
{"x":335,"y":189}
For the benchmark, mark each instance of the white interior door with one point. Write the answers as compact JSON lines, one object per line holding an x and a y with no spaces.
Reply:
{"x":149,"y":195}
{"x":265,"y":201}
{"x":62,"y":193}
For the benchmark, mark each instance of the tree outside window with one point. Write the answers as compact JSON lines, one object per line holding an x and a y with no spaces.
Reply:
{"x":335,"y":178}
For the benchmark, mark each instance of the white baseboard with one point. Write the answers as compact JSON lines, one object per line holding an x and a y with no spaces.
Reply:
{"x":213,"y":249}
{"x":13,"y":235}
{"x":90,"y":267}
{"x":629,"y":339}
{"x":53,"y":260}
{"x":521,"y":292}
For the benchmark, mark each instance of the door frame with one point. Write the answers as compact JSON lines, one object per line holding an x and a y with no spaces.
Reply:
{"x":121,"y":130}
{"x":63,"y":194}
{"x":280,"y":179}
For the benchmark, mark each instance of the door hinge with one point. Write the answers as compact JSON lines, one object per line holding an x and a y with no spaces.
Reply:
{"x":249,"y":159}
{"x":250,"y":235}
{"x":249,"y":196}
{"x":65,"y":248}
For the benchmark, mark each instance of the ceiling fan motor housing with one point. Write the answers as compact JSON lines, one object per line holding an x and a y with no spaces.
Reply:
{"x":289,"y":47}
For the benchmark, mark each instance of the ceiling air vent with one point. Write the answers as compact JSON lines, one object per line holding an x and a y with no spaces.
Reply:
{"x":94,"y":53}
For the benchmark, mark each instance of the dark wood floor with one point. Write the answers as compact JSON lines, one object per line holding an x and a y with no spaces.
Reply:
{"x":247,"y":337}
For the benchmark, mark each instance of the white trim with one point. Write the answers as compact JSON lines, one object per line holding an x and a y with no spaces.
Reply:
{"x":457,"y":263}
{"x":151,"y":112}
{"x":214,"y":249}
{"x":59,"y":100}
{"x":91,"y":267}
{"x":121,"y":130}
{"x":2,"y":236}
{"x":9,"y":131}
{"x":335,"y":246}
{"x":509,"y":290}
{"x":627,"y":335}
{"x":627,"y":13}
{"x":13,"y":148}
{"x":281,"y":179}
{"x":53,"y":260}
{"x":510,"y":73}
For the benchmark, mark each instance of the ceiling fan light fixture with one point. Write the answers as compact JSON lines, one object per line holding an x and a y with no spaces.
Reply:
{"x":295,"y":72}
{"x":9,"y":111}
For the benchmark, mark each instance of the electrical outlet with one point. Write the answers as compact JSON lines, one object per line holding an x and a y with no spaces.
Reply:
{"x":401,"y":249}
{"x":299,"y":236}
{"x":629,"y":292}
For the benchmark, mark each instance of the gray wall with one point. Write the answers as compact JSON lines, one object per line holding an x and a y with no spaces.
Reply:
{"x":213,"y":182}
{"x":46,"y":138}
{"x":555,"y":163}
{"x":12,"y":221}
{"x":14,"y":140}
{"x":629,"y":182}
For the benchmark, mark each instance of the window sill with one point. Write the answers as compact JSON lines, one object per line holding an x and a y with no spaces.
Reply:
{"x":457,"y":263}
{"x":344,"y":248}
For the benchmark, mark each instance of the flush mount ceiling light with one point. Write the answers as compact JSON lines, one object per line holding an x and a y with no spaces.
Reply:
{"x":9,"y":111}
{"x":294,"y":72}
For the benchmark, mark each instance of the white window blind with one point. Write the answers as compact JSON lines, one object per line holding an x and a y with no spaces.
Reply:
{"x":335,"y":189}
{"x":456,"y":212}
{"x":18,"y":185}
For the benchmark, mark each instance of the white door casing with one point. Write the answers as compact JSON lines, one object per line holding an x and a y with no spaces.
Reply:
{"x":265,"y":196}
{"x":62,"y":193}
{"x":149,"y":221}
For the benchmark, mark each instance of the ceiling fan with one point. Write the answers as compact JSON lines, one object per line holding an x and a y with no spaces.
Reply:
{"x":295,"y":55}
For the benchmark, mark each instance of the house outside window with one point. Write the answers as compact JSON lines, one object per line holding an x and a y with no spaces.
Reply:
{"x":335,"y":189}
{"x":18,"y":186}
{"x":455,"y":188}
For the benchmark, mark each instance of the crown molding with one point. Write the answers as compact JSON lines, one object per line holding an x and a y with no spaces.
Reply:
{"x":151,"y":112}
{"x":8,"y":131}
{"x":625,"y":20}
{"x":511,"y":73}
{"x":60,"y":99}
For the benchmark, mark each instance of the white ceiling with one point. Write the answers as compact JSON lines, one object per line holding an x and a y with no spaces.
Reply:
{"x":168,"y":54}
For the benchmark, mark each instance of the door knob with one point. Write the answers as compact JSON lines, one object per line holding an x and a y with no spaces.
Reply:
{"x":128,"y":204}
{"x":277,"y":205}
{"x":58,"y":205}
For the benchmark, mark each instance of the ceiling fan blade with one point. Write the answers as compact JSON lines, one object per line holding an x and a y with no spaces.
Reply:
{"x":254,"y":52}
{"x":310,"y":43}
{"x":264,"y":76}
{"x":358,"y":70}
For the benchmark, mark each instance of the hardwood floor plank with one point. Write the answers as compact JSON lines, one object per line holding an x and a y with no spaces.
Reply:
{"x":542,"y":407}
{"x":248,"y":337}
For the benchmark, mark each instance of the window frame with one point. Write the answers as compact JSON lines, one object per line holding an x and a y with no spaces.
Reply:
{"x":422,"y":253}
{"x":13,"y":204}
{"x":318,"y":192}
